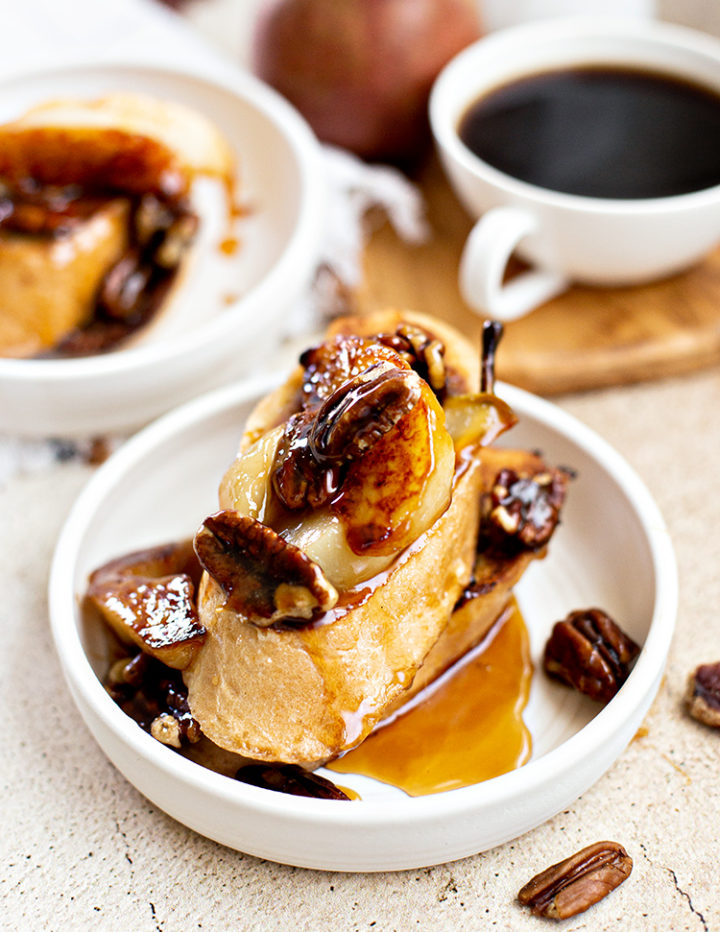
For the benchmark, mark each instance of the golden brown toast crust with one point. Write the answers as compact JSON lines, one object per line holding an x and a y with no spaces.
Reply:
{"x":303,"y":696}
{"x":493,"y":582}
{"x":306,"y":695}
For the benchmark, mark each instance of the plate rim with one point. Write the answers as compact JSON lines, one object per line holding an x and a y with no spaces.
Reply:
{"x":80,"y":676}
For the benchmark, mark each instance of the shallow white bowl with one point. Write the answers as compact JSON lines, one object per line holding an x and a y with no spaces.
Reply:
{"x":197,"y":342}
{"x":612,"y":550}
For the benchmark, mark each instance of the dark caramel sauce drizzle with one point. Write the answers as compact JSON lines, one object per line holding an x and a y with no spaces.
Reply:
{"x":467,"y":727}
{"x":51,"y":211}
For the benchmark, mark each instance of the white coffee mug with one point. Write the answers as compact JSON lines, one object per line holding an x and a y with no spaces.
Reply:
{"x":567,"y":237}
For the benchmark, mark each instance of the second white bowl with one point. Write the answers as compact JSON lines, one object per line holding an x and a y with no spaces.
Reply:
{"x":208,"y":343}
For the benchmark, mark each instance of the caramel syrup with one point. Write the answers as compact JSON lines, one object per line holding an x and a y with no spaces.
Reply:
{"x":229,"y":246}
{"x":465,"y":728}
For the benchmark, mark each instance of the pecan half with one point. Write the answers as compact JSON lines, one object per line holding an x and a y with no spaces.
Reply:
{"x":124,"y":290}
{"x":573,"y":885}
{"x":264,"y":577}
{"x":332,"y":363}
{"x":361,"y":411}
{"x":289,"y":778}
{"x":163,"y":233}
{"x":702,"y":696}
{"x":319,"y":442}
{"x":297,"y":477}
{"x":422,"y":351}
{"x":523,"y":511}
{"x":591,"y":653}
{"x":155,"y":697}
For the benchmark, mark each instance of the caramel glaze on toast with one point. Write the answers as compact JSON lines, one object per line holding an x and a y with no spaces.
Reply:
{"x":293,"y":653}
{"x":305,"y":695}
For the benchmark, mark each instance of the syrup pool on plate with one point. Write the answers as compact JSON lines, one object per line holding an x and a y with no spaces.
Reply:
{"x":465,"y":728}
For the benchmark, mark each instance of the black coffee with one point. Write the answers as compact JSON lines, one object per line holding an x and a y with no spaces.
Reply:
{"x":600,"y":132}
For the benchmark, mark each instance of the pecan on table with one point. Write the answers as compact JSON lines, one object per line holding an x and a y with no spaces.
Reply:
{"x":591,"y":653}
{"x":573,"y":885}
{"x":702,"y":696}
{"x":289,"y":778}
{"x":524,"y":511}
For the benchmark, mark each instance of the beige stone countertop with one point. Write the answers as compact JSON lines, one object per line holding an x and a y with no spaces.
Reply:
{"x":80,"y":848}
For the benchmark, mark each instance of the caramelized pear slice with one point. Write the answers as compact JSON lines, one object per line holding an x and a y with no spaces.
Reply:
{"x":246,"y":489}
{"x":246,"y":486}
{"x":399,"y":488}
{"x":384,"y":429}
{"x":148,"y":598}
{"x":477,"y":419}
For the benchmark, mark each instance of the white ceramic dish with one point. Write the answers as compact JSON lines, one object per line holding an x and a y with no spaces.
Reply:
{"x":202,"y":339}
{"x":611,"y":550}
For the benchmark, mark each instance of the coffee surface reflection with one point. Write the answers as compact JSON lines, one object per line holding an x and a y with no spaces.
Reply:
{"x":600,"y":131}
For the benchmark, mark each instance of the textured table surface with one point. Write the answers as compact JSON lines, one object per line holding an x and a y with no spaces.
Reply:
{"x":81,"y":849}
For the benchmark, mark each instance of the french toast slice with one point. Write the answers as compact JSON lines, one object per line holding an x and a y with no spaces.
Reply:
{"x":305,"y":636}
{"x":307,"y":693}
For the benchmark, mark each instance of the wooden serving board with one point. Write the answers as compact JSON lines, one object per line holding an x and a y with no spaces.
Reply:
{"x":586,"y":338}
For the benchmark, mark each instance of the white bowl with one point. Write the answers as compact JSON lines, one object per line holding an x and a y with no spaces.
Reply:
{"x":612,"y":550}
{"x":198,"y":341}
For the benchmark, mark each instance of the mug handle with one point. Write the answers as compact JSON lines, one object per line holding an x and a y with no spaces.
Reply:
{"x":482,"y":266}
